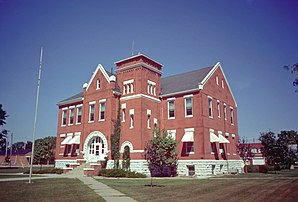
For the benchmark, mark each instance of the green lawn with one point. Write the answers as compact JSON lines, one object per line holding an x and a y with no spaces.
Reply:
{"x":61,"y":189}
{"x":214,"y":189}
{"x":2,"y":176}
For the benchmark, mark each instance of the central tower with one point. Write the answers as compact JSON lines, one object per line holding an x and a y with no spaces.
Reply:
{"x":138,"y":78}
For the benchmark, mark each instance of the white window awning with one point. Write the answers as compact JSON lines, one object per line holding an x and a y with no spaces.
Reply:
{"x":187,"y":137}
{"x":75,"y":140}
{"x":214,"y":138}
{"x":222,"y":139}
{"x":66,"y":140}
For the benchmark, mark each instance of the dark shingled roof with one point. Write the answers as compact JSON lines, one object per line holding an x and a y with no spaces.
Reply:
{"x":72,"y":99}
{"x":184,"y":81}
{"x":169,"y":85}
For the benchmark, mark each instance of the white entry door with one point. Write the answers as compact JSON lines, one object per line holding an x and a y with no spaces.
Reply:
{"x":96,"y":150}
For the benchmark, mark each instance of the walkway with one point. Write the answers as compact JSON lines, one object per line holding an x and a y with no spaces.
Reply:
{"x":106,"y":192}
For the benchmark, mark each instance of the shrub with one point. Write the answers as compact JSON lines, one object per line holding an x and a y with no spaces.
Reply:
{"x":45,"y":171}
{"x":120,"y":173}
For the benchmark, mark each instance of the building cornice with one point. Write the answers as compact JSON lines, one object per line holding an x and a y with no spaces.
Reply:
{"x":139,"y":64}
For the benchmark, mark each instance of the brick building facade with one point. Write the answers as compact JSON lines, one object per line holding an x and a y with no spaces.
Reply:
{"x":197,"y":109}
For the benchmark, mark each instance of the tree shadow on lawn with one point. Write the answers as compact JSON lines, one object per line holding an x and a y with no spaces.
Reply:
{"x":153,"y":185}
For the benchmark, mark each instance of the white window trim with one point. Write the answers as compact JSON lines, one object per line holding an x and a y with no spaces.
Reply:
{"x":77,"y":115}
{"x":225,"y":110}
{"x":185,"y":97}
{"x":168,"y":109}
{"x":63,"y":135}
{"x":128,"y":82}
{"x":123,"y":107}
{"x":222,"y":83}
{"x":209,"y":97}
{"x":97,"y":82}
{"x":232,"y":116}
{"x":90,"y":104}
{"x":218,"y":109}
{"x":99,"y":114}
{"x":151,"y":83}
{"x":217,"y":83}
{"x":148,"y":119}
{"x":73,"y":121}
{"x":172,"y":133}
{"x":64,"y":110}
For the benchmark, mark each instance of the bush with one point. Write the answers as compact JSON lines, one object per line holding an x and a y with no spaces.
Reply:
{"x":120,"y":173}
{"x":46,"y":171}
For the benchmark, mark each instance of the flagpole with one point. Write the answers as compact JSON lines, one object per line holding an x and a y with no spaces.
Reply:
{"x":35,"y":117}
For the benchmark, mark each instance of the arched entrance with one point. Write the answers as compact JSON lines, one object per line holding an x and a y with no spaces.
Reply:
{"x":95,"y":147}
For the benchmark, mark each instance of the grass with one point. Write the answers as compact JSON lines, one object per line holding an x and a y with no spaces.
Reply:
{"x":17,"y":176}
{"x":269,"y":188}
{"x":57,"y":190}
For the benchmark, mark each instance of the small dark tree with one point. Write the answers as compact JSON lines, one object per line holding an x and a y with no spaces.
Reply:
{"x":294,"y":70}
{"x":44,"y":150}
{"x":161,"y":155}
{"x":3,"y":132}
{"x":244,"y":151}
{"x":270,"y":149}
{"x":126,"y":158}
{"x":115,"y":140}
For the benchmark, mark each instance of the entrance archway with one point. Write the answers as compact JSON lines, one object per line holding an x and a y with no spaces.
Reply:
{"x":95,"y":147}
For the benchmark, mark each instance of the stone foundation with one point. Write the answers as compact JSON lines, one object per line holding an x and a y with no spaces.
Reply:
{"x":201,"y":167}
{"x":63,"y":163}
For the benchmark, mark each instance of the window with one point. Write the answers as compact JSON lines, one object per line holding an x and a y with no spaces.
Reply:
{"x":218,"y":109}
{"x":67,"y":150}
{"x":232,"y":115}
{"x":151,"y":87}
{"x":64,"y":111}
{"x":188,"y":107}
{"x":222,"y":84}
{"x":171,"y":109}
{"x":213,"y":147}
{"x":98,"y":83}
{"x":91,"y":112}
{"x":123,"y":107}
{"x":131,"y":121}
{"x":172,"y":133}
{"x":102,"y":108}
{"x":71,"y":116}
{"x":225,"y":111}
{"x":217,"y":80}
{"x":189,"y":147}
{"x":128,"y":86}
{"x":79,"y":114}
{"x":131,"y":113}
{"x":210,"y":107}
{"x":124,"y":90}
{"x":148,"y":118}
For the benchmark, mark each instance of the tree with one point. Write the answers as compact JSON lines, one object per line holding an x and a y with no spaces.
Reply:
{"x":3,"y":132}
{"x":161,"y":155}
{"x":115,"y":140}
{"x":294,"y":70}
{"x":44,"y":150}
{"x":277,"y":150}
{"x":126,"y":158}
{"x":244,"y":151}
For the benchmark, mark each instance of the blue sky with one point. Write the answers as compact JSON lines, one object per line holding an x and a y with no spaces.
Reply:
{"x":251,"y":39}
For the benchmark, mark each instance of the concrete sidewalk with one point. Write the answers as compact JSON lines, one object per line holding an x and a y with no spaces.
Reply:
{"x":106,"y":192}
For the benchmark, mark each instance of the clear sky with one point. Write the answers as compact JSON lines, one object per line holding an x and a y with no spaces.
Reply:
{"x":252,"y":39}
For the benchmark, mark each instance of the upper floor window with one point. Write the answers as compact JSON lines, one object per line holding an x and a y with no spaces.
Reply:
{"x":98,"y":83}
{"x":79,"y":114}
{"x":64,"y":112}
{"x":188,"y":106}
{"x":222,"y":83}
{"x":189,"y":147}
{"x":91,"y":112}
{"x":131,"y":113}
{"x":102,"y":108}
{"x":210,"y":107}
{"x":225,"y":111}
{"x":231,"y":115}
{"x":171,"y":109}
{"x":151,"y":88}
{"x":218,"y":109}
{"x":123,"y":107}
{"x":71,"y":115}
{"x":216,"y":78}
{"x":148,"y":118}
{"x":128,"y":86}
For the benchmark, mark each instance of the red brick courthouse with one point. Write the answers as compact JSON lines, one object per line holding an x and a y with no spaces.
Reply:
{"x":197,"y":109}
